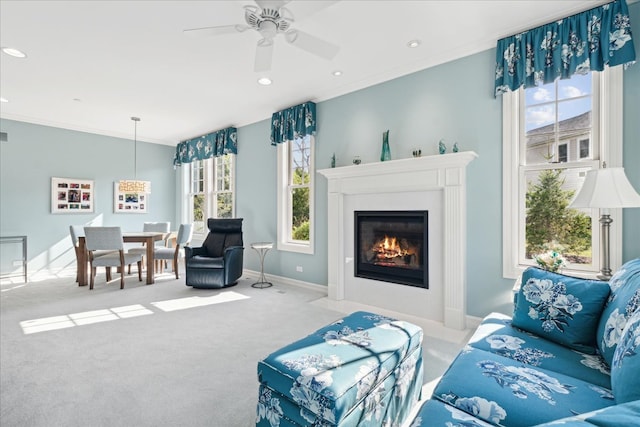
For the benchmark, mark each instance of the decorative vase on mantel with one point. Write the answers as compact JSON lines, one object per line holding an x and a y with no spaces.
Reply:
{"x":386,"y":151}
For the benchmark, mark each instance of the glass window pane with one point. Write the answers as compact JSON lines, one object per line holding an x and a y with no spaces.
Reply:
{"x":224,"y":205}
{"x":577,"y":85}
{"x":540,"y":119}
{"x":540,"y":94}
{"x":574,"y":115}
{"x":550,"y":225}
{"x":300,"y":214}
{"x":540,"y":148}
{"x":198,"y":213}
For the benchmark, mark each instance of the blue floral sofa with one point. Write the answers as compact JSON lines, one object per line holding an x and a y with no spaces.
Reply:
{"x":569,"y":355}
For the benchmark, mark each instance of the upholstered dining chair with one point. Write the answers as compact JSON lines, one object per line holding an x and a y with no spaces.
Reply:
{"x":185,"y":233}
{"x":157,"y":227}
{"x":109,"y":239}
{"x":77,"y":231}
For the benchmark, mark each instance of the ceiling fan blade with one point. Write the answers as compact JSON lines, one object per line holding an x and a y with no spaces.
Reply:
{"x":304,"y":9}
{"x":215,"y":31}
{"x":312,"y":44}
{"x":264,"y":54}
{"x":271,"y":4}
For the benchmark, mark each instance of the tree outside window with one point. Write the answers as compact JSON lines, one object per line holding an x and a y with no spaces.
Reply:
{"x":300,"y":179}
{"x":558,"y":129}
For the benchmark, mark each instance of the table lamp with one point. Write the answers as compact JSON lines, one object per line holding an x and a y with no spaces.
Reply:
{"x":606,"y":188}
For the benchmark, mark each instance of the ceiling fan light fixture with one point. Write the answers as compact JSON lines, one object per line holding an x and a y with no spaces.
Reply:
{"x":412,"y":44}
{"x":14,"y":52}
{"x":264,"y":81}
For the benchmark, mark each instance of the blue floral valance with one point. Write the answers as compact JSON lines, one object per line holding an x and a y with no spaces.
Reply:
{"x":294,"y":122}
{"x":213,"y":144}
{"x":577,"y":44}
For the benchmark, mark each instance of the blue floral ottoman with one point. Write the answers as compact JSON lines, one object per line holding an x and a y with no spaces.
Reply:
{"x":363,"y":370}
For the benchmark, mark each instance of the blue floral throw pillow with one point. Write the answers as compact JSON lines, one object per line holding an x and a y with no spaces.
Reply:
{"x":560,"y":308}
{"x":625,"y":369}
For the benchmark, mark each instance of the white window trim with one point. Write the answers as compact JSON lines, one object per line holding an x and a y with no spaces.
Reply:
{"x":209,"y":187}
{"x":284,"y":243}
{"x":214,"y":183}
{"x":610,"y":130}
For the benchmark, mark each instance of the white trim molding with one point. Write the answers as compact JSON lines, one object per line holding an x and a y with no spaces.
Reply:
{"x":440,"y":173}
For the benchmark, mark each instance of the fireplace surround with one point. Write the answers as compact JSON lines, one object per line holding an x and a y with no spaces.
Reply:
{"x":434,"y":183}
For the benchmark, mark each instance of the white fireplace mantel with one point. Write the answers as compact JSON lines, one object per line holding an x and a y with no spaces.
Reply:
{"x":446,"y":173}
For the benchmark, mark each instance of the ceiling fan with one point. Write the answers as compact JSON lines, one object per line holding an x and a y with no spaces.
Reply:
{"x":269,"y":19}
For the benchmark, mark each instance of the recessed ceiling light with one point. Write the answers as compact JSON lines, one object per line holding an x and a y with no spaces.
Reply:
{"x":14,"y":52}
{"x":4,"y":99}
{"x":337,"y":73}
{"x":264,"y":81}
{"x":413,"y":43}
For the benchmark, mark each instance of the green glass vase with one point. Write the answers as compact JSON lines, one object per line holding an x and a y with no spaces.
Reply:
{"x":386,"y":151}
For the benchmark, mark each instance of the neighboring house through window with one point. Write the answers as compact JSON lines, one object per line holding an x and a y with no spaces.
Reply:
{"x":552,"y":135}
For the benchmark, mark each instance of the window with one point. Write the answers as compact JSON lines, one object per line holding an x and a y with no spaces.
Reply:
{"x":197,"y":195}
{"x":584,"y":148}
{"x":210,"y":191}
{"x":223,"y":190}
{"x":552,"y":135}
{"x":295,"y":195}
{"x":563,"y":153}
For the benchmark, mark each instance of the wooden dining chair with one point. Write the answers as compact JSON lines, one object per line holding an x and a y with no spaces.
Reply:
{"x":109,"y":239}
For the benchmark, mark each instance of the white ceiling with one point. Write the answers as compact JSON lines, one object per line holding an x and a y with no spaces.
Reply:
{"x":92,"y":65}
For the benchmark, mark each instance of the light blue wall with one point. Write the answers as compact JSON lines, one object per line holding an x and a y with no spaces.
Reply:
{"x":452,"y":101}
{"x":36,"y":153}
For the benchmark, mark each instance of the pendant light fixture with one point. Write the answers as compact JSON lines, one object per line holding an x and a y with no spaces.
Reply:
{"x":135,"y":186}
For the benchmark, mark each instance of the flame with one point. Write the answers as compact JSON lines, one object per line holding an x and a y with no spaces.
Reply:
{"x":389,"y":247}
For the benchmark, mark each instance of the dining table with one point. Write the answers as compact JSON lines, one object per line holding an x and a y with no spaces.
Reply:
{"x":146,"y":237}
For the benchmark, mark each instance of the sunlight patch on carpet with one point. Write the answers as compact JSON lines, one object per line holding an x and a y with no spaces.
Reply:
{"x":83,"y":318}
{"x":192,"y":302}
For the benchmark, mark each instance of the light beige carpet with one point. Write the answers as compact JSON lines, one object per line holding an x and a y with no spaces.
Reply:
{"x":154,"y":355}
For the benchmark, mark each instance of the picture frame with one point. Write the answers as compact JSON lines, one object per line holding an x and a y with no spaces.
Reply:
{"x":72,"y":196}
{"x":129,"y":201}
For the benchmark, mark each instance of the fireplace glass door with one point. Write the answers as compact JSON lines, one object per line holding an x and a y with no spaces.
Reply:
{"x":391,"y":246}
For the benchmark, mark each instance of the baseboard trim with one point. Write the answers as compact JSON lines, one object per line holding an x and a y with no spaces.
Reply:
{"x":288,"y":281}
{"x":472,"y":322}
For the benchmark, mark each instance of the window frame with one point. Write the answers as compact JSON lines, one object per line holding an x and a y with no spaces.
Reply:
{"x":608,"y":102}
{"x":210,"y":191}
{"x":284,"y":209}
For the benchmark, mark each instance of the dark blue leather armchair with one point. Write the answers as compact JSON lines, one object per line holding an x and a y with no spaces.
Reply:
{"x":218,"y":262}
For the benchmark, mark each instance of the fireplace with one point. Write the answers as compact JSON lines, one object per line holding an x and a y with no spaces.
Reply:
{"x":391,"y":246}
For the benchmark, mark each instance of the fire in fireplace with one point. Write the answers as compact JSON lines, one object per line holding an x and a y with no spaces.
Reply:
{"x":391,"y":246}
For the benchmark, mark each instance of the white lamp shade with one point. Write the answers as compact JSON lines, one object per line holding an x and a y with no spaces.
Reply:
{"x":606,"y":188}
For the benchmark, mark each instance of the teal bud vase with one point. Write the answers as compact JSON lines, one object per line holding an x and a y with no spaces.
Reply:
{"x":386,"y":151}
{"x":441,"y":147}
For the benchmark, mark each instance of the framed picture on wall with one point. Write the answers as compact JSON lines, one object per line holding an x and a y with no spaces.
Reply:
{"x":70,"y":195}
{"x":130,"y":198}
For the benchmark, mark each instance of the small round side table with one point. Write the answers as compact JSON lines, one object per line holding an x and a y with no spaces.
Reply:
{"x":262,"y":248}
